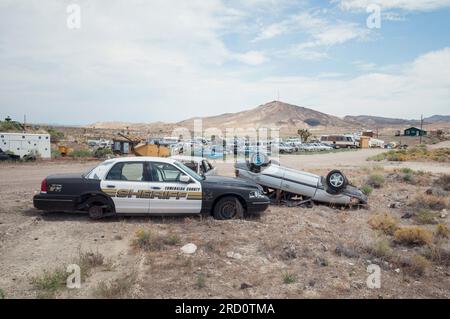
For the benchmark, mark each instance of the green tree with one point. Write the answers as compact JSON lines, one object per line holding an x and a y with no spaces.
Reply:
{"x":304,"y":134}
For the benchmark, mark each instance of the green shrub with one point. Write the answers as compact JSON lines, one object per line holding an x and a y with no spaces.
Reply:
{"x":2,"y":294}
{"x":80,"y":153}
{"x":406,"y":170}
{"x":200,"y":281}
{"x":50,"y":281}
{"x":375,"y":180}
{"x":381,"y":248}
{"x":366,"y":189}
{"x":103,"y":152}
{"x":425,"y":216}
{"x":289,"y":278}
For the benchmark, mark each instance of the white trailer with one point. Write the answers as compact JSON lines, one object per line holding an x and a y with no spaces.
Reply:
{"x":25,"y":143}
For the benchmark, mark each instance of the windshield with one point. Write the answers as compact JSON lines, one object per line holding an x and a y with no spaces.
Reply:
{"x":189,"y":171}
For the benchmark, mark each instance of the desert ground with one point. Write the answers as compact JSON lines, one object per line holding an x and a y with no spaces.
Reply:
{"x":287,"y":252}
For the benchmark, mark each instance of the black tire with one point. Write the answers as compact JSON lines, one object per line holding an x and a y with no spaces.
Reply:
{"x":228,"y":207}
{"x":95,"y":212}
{"x":336,"y":181}
{"x":98,"y":207}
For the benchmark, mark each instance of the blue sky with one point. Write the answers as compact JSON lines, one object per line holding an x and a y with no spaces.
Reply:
{"x":147,"y":61}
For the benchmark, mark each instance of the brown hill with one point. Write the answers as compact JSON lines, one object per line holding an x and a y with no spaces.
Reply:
{"x":275,"y":114}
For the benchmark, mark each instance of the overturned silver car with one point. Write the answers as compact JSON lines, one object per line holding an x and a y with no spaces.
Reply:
{"x":290,"y":185}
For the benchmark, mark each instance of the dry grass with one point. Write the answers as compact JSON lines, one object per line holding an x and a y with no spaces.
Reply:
{"x":147,"y":241}
{"x":425,"y":217}
{"x":418,"y":153}
{"x":442,"y":231}
{"x":413,"y":235}
{"x":425,"y":201}
{"x":375,"y":180}
{"x":443,"y":182}
{"x":417,"y":265}
{"x":118,"y":288}
{"x":384,"y":222}
{"x":381,"y":248}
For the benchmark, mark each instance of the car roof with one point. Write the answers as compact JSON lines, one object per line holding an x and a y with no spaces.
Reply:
{"x":141,"y":159}
{"x":188,"y":158}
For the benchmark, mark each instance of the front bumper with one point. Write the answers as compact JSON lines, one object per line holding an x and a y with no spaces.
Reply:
{"x":47,"y":202}
{"x":259,"y":205}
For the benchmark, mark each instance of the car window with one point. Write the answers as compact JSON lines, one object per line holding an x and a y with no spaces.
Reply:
{"x":131,"y":171}
{"x":165,"y":173}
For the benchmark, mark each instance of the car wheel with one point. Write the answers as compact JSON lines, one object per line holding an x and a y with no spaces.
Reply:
{"x":336,"y":181}
{"x":228,"y":208}
{"x":95,"y":212}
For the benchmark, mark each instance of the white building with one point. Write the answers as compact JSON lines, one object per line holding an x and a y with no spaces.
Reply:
{"x":24,"y":143}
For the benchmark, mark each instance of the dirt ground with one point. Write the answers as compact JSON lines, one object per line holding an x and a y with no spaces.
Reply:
{"x":287,"y":252}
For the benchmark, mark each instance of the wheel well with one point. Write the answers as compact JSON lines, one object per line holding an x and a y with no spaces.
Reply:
{"x":97,"y":199}
{"x":239,"y":197}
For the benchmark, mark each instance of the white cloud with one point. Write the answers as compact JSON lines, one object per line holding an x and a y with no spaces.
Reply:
{"x":251,"y":58}
{"x":321,"y":33}
{"x":409,"y":5}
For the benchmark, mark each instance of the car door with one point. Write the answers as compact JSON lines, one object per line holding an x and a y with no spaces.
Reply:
{"x":127,"y":183}
{"x":169,"y":194}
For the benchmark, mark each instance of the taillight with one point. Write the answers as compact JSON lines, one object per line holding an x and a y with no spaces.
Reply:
{"x":44,"y":186}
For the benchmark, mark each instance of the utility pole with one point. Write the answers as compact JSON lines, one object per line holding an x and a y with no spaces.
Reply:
{"x":421,"y":128}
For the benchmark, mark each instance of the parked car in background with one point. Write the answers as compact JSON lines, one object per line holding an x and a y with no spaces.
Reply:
{"x":339,"y":141}
{"x":198,"y":164}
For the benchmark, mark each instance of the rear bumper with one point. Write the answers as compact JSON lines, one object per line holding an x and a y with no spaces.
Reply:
{"x":54,"y":202}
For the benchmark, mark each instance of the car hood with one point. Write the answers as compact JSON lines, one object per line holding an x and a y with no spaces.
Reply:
{"x":229,"y":181}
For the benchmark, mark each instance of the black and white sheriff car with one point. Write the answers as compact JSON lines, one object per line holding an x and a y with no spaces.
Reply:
{"x":149,"y":185}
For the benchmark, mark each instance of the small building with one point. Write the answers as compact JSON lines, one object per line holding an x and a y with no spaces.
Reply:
{"x":414,"y":131}
{"x":25,"y":143}
{"x":368,"y":133}
{"x":121,"y":146}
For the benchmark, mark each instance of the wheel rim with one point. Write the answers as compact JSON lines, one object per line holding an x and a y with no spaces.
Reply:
{"x":336,"y":180}
{"x":228,"y":210}
{"x":96,"y":211}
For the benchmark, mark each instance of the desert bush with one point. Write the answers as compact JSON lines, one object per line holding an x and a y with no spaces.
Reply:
{"x":200,"y":281}
{"x":147,"y":241}
{"x":418,"y":153}
{"x":406,"y":170}
{"x":366,"y":189}
{"x":442,"y":231}
{"x":50,"y":281}
{"x":381,"y":248}
{"x":375,"y":180}
{"x":118,"y":288}
{"x":171,"y":240}
{"x":55,"y":136}
{"x":384,"y":222}
{"x":418,"y":265}
{"x":88,"y":260}
{"x":425,"y":216}
{"x":289,"y":278}
{"x":425,"y":201}
{"x":413,"y":235}
{"x":443,"y":182}
{"x":80,"y":153}
{"x":103,"y":152}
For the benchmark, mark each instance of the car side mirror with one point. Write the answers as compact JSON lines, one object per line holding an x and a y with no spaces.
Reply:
{"x":185,"y":179}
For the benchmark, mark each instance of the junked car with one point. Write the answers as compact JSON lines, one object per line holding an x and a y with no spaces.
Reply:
{"x":198,"y":164}
{"x":149,"y":186}
{"x":280,"y":182}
